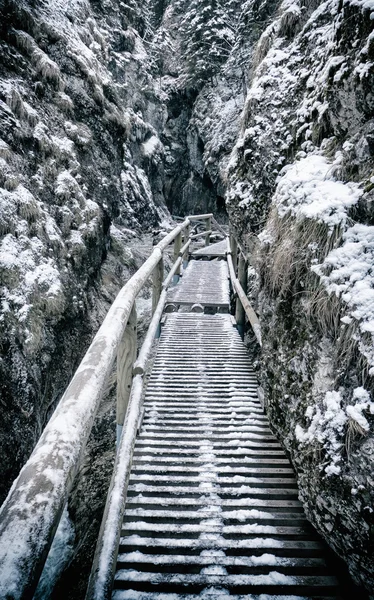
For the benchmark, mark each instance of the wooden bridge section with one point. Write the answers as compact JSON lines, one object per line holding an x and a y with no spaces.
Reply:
{"x":203,"y":501}
{"x":212,"y":504}
{"x":204,"y":283}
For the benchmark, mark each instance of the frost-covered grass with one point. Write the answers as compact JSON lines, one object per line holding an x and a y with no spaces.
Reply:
{"x":347,"y":273}
{"x":331,"y":424}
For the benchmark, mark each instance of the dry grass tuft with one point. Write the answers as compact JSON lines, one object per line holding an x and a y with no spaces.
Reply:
{"x":23,"y":41}
{"x":353,"y":432}
{"x":264,"y":44}
{"x":288,"y":24}
{"x":15,"y":103}
{"x":5,"y":151}
{"x":47,"y":68}
{"x":64,"y":102}
{"x":11,"y":182}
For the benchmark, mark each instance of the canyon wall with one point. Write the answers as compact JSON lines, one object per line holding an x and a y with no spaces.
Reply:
{"x":79,"y":150}
{"x":300,"y":197}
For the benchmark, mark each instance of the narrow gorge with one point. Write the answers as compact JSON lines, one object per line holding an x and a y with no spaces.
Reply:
{"x":115,"y":117}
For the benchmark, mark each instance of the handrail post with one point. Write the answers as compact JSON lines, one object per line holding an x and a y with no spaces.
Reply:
{"x":185,"y":240}
{"x":157,"y":279}
{"x":234,"y":252}
{"x":126,"y":355}
{"x":208,"y":226}
{"x":239,"y":309}
{"x":177,"y":248}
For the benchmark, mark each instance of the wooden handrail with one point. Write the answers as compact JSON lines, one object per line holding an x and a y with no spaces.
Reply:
{"x":34,"y":505}
{"x":104,"y":563}
{"x":252,"y":317}
{"x":218,"y":226}
{"x":201,"y":234}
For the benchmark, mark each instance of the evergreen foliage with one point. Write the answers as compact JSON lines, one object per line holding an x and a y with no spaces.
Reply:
{"x":207,"y":29}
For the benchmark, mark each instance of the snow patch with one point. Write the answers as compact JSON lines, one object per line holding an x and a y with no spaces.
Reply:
{"x":306,"y":189}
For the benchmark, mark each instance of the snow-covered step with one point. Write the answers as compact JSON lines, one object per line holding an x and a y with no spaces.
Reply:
{"x":212,"y":593}
{"x":201,"y":488}
{"x":212,"y":505}
{"x":233,"y":562}
{"x":251,"y":409}
{"x":217,"y":443}
{"x":222,"y":462}
{"x":214,"y":502}
{"x":257,"y":545}
{"x":229,"y":470}
{"x":213,"y":525}
{"x":199,"y":417}
{"x":264,"y":582}
{"x":211,"y":475}
{"x":192,"y":428}
{"x":243,"y":516}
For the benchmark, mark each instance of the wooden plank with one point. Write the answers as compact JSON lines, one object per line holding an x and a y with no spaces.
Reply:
{"x":217,"y":250}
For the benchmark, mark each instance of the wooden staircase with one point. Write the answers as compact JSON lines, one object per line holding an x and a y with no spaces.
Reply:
{"x":212,"y":504}
{"x":202,"y":501}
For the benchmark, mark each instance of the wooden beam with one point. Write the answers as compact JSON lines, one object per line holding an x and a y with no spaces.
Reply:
{"x":218,"y":226}
{"x":239,"y":309}
{"x":252,"y":317}
{"x":177,"y":249}
{"x":199,"y":235}
{"x":126,"y":356}
{"x":157,"y":279}
{"x":172,"y":272}
{"x":186,"y":239}
{"x":234,"y":252}
{"x":208,"y":228}
{"x":141,"y":362}
{"x":199,"y":217}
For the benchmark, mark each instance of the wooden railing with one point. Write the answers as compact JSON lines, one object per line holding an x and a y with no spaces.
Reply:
{"x":30,"y":515}
{"x":237,"y":263}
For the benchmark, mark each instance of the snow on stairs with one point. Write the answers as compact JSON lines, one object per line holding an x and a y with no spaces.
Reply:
{"x":217,"y":250}
{"x":212,"y":508}
{"x":205,"y":283}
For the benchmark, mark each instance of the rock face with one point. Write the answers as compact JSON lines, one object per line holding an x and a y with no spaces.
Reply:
{"x":300,"y":195}
{"x":78,"y":148}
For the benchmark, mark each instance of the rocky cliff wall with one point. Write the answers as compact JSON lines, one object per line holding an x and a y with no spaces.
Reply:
{"x":300,"y":195}
{"x":79,"y":114}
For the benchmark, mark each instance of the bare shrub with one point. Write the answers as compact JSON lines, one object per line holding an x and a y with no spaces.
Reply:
{"x":15,"y":103}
